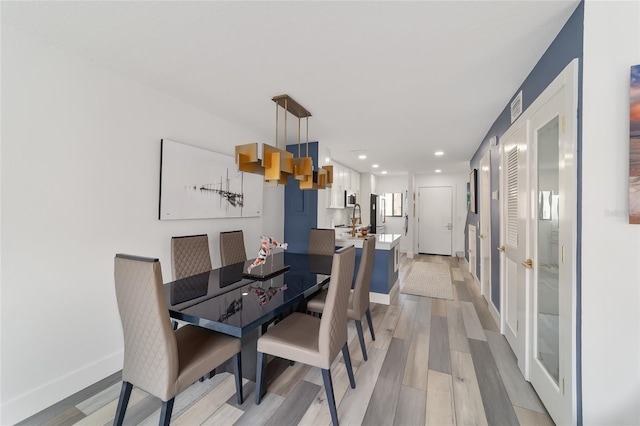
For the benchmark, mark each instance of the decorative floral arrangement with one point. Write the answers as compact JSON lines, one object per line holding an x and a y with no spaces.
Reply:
{"x":266,"y":244}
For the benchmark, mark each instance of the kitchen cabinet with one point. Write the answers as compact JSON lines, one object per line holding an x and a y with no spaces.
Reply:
{"x":354,"y":180}
{"x":336,"y":193}
{"x":344,"y":179}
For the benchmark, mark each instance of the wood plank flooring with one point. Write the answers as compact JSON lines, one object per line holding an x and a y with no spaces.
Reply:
{"x":434,"y":362}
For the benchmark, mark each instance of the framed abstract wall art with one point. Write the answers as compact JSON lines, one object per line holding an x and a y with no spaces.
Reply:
{"x":473,"y":186}
{"x":196,"y":183}
{"x":634,"y":146}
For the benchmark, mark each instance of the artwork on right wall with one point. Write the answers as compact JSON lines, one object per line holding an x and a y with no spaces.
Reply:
{"x":634,"y":146}
{"x":473,"y":185}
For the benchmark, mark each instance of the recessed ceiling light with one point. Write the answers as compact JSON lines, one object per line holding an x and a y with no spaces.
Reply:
{"x":375,"y":166}
{"x":438,"y":153}
{"x":362,"y":156}
{"x":438,"y":171}
{"x":384,"y":172}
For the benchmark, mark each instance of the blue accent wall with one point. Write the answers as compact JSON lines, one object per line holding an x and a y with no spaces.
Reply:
{"x":300,"y":207}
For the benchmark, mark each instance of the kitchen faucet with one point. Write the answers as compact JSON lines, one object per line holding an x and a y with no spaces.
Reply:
{"x":353,"y":219}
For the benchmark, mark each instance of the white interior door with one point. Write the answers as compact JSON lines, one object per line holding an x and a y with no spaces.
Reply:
{"x":552,"y":138}
{"x":485,"y":225}
{"x":472,"y":251}
{"x":514,"y":237}
{"x":435,"y":224}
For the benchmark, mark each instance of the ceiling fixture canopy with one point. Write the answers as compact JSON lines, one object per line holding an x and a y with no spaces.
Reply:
{"x":278,"y":164}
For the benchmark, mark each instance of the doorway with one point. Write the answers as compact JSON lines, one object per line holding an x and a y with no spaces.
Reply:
{"x":435,"y":224}
{"x":514,"y":280}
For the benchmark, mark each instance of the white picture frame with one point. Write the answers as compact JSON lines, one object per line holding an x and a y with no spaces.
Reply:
{"x":196,"y":183}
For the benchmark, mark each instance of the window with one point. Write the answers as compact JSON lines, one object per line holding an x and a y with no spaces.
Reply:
{"x":393,"y":204}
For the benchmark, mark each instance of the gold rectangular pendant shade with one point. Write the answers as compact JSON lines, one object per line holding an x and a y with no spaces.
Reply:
{"x":247,"y":158}
{"x":320,"y":178}
{"x":329,"y":170}
{"x":317,"y":181}
{"x":277,"y":163}
{"x":302,"y":167}
{"x":306,"y":183}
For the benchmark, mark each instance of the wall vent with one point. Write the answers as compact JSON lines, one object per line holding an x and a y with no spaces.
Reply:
{"x":516,"y":107}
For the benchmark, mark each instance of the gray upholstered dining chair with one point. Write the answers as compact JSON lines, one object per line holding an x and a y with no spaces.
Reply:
{"x":359,"y":297}
{"x":232,"y":248}
{"x":156,"y":359}
{"x":190,"y":256}
{"x":322,"y":241}
{"x":315,"y":341}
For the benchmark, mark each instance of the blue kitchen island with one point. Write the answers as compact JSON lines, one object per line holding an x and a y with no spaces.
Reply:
{"x":384,"y":280}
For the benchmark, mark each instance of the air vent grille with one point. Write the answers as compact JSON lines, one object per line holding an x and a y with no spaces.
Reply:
{"x":516,"y":107}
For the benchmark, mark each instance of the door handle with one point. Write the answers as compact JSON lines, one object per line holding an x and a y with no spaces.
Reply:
{"x":502,"y":249}
{"x":448,"y":226}
{"x":481,"y":236}
{"x":527,"y":264}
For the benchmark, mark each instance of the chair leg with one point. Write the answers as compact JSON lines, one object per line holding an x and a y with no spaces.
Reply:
{"x":260,"y":370}
{"x":165,"y":412}
{"x":237,"y":370}
{"x":347,"y":363}
{"x":368,"y":314}
{"x":361,"y":338}
{"x":125,"y":393}
{"x":328,"y":386}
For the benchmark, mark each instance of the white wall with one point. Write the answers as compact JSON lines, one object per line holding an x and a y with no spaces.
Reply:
{"x":610,"y":246}
{"x":458,"y":181}
{"x":80,"y":182}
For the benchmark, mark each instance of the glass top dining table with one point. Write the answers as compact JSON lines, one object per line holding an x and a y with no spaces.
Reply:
{"x":232,"y":301}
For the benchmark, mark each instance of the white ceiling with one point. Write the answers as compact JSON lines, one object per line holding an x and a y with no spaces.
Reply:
{"x":397,"y":79}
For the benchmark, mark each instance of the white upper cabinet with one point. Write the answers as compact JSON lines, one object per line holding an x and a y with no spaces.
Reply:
{"x":355,"y":182}
{"x":336,"y":193}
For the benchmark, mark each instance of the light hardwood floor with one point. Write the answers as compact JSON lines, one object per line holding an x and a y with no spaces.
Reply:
{"x":434,"y":362}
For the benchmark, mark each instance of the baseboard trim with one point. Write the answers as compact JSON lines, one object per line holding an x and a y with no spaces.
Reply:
{"x":495,"y":314}
{"x":32,"y":402}
{"x":382,"y":298}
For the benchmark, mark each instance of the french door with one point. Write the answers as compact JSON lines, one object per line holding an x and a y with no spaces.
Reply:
{"x":553,"y":224}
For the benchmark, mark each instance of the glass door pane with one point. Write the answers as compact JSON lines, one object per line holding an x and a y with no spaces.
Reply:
{"x":548,"y":336}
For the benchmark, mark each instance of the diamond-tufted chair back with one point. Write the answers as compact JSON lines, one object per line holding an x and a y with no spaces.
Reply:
{"x":333,"y":325}
{"x":322,"y":241}
{"x":190,"y":256}
{"x":150,"y":346}
{"x":363,"y":279}
{"x":232,"y":248}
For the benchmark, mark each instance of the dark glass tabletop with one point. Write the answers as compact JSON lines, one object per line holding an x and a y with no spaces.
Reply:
{"x":230,"y":301}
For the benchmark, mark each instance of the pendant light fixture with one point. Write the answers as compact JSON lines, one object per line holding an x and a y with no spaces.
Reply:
{"x":278,"y":164}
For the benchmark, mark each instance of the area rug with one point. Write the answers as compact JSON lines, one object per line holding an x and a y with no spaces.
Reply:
{"x":430,"y":280}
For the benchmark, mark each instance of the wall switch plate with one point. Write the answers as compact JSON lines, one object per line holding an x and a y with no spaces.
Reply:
{"x":495,"y":195}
